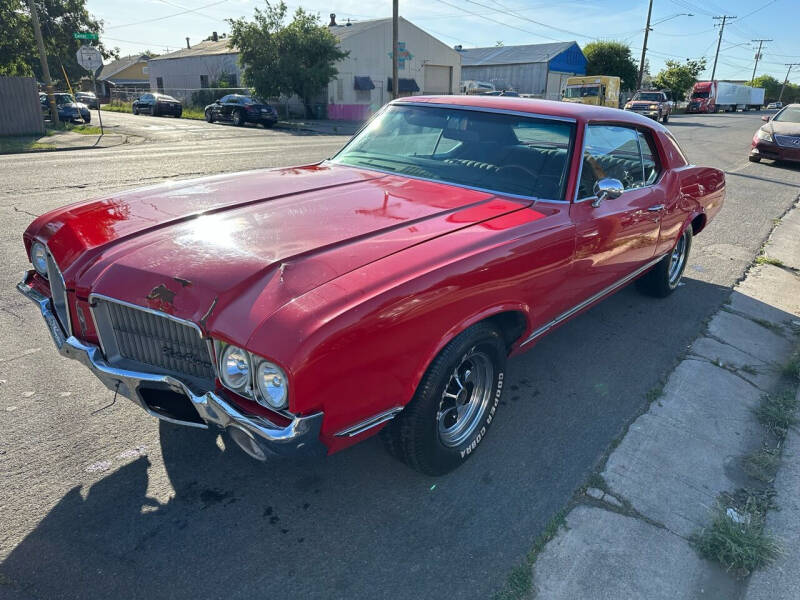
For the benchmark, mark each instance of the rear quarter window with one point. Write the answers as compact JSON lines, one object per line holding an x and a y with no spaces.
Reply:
{"x":674,"y":151}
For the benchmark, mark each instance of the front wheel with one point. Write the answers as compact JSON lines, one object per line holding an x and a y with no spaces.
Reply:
{"x":754,"y":158}
{"x":135,"y":110}
{"x":665,"y":119}
{"x":238,"y":118}
{"x":664,"y":278}
{"x":209,"y":116}
{"x":454,"y":405}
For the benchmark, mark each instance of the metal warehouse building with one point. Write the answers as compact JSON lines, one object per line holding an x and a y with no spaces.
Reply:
{"x":364,"y":83}
{"x":540,"y":69}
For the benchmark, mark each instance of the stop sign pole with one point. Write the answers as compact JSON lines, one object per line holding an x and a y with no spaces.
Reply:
{"x":91,"y":60}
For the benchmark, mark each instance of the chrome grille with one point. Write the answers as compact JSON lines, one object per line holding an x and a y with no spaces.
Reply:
{"x":788,"y":141}
{"x":130,"y":333}
{"x":58,"y":291}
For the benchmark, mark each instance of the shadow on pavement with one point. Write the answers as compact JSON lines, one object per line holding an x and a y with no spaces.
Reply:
{"x":360,"y":524}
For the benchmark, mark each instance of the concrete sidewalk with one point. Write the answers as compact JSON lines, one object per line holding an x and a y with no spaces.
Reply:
{"x":628,"y":535}
{"x":62,"y":140}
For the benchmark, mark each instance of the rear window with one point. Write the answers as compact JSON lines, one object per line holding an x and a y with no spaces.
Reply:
{"x":507,"y":153}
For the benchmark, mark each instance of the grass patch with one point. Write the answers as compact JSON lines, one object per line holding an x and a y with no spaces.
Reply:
{"x":768,"y":260}
{"x":117,"y":107}
{"x":520,"y":580}
{"x":762,"y":464}
{"x":22,"y":143}
{"x":84,"y":129}
{"x":777,"y":412}
{"x":742,"y":546}
{"x":193,"y":113}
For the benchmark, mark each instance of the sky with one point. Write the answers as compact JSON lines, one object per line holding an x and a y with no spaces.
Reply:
{"x":163,"y":25}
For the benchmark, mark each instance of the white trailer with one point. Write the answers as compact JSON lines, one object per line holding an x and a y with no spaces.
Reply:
{"x":756,"y":99}
{"x":732,"y":96}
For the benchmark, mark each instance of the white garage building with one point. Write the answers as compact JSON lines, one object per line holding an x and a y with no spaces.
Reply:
{"x":364,"y":84}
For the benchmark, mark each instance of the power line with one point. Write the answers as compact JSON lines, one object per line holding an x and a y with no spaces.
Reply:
{"x":719,"y":41}
{"x":167,"y":16}
{"x":758,"y":55}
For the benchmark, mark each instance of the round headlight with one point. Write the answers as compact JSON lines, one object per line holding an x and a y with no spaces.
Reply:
{"x":272,"y":385}
{"x":39,"y":258}
{"x":234,"y":368}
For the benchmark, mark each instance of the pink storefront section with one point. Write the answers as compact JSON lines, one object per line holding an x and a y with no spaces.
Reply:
{"x":349,"y":112}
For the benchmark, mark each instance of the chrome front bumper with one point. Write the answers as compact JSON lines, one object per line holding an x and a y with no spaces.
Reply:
{"x":299,"y":437}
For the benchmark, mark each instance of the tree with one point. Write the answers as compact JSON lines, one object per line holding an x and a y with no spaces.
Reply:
{"x":612,"y":58}
{"x":297,"y":58}
{"x":679,"y":77}
{"x":772,"y":87}
{"x":59,"y":20}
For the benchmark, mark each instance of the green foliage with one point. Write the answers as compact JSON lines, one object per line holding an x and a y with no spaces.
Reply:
{"x":679,"y":77}
{"x":777,"y":412}
{"x":59,"y":19}
{"x":612,"y":58}
{"x":294,"y":58}
{"x":203,"y":97}
{"x":772,"y":89}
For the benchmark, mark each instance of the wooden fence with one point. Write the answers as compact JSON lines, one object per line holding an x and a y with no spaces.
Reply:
{"x":20,"y":109}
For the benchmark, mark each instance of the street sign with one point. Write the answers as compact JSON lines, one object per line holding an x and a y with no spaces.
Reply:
{"x":83,"y":35}
{"x":89,"y":58}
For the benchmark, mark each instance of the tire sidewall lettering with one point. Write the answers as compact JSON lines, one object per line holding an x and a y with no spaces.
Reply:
{"x":489,"y":418}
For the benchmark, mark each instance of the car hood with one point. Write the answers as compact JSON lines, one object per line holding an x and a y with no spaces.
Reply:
{"x":194,"y":247}
{"x":785,"y":128}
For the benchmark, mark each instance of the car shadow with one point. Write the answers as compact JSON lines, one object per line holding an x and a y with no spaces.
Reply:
{"x":359,"y":523}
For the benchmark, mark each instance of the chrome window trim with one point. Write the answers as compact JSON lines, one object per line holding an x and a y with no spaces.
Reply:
{"x":502,"y":111}
{"x":578,"y":181}
{"x":590,"y":300}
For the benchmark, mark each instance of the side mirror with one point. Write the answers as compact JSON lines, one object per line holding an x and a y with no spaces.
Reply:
{"x":607,"y":188}
{"x":765,"y":118}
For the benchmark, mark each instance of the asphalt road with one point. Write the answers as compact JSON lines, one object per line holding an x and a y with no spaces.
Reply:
{"x":98,"y":500}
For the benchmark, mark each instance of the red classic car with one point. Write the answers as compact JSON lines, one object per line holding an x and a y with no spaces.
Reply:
{"x":305,"y":309}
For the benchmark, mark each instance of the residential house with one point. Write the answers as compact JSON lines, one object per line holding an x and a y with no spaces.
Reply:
{"x":195,"y":67}
{"x":129,"y":72}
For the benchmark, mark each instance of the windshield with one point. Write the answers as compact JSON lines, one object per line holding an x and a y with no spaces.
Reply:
{"x":582,"y":91}
{"x":511,"y":154}
{"x":790,"y":114}
{"x":700,"y":95}
{"x":64,"y":98}
{"x":164,"y":97}
{"x":651,"y":97}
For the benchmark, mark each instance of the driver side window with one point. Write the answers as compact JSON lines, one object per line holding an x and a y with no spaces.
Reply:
{"x":610,"y":152}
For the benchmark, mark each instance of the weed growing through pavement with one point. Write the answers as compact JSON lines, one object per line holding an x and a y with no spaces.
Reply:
{"x":520,"y":580}
{"x":777,"y":412}
{"x":792,"y":367}
{"x":768,"y":260}
{"x":736,"y":537}
{"x":762,"y":464}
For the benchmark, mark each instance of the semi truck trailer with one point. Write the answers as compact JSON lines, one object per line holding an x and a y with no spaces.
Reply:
{"x":715,"y":96}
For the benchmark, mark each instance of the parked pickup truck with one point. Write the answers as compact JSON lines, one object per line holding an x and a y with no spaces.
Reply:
{"x":651,"y":103}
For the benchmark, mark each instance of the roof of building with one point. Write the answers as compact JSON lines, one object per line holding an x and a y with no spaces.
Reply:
{"x":120,"y":65}
{"x":207,"y":48}
{"x":345,"y":30}
{"x":510,"y":55}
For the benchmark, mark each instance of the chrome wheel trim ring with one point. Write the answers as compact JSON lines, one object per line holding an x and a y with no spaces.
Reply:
{"x":465,"y":398}
{"x":676,"y":261}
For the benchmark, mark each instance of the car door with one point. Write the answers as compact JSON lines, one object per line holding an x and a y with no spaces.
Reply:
{"x":615,"y":237}
{"x":229,"y":107}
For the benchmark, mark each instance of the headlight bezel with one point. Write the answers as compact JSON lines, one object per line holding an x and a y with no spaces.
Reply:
{"x":251,"y":387}
{"x":764,"y":135}
{"x":245,"y":373}
{"x":35,"y":247}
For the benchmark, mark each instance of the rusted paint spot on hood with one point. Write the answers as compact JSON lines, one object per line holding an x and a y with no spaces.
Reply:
{"x":161,"y":298}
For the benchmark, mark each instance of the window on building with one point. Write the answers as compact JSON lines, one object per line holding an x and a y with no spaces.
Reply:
{"x":203,"y":81}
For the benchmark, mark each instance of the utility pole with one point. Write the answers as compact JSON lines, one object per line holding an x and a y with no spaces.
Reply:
{"x":783,"y":87}
{"x":644,"y":45}
{"x":758,"y":56}
{"x":395,"y":47}
{"x":48,"y":84}
{"x":724,"y":18}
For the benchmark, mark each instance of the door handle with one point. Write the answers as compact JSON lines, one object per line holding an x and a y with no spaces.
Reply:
{"x":656,"y":208}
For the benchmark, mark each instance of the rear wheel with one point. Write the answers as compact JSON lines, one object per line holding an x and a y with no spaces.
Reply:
{"x":179,"y":112}
{"x":664,"y":278}
{"x":454,"y":404}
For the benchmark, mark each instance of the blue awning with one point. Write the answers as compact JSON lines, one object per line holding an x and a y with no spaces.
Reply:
{"x":406,"y":85}
{"x":363,"y":83}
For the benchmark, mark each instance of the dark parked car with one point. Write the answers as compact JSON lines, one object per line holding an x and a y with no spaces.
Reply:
{"x":69,"y":111}
{"x":779,"y":138}
{"x":157,"y":105}
{"x":240,"y":109}
{"x":88,"y":98}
